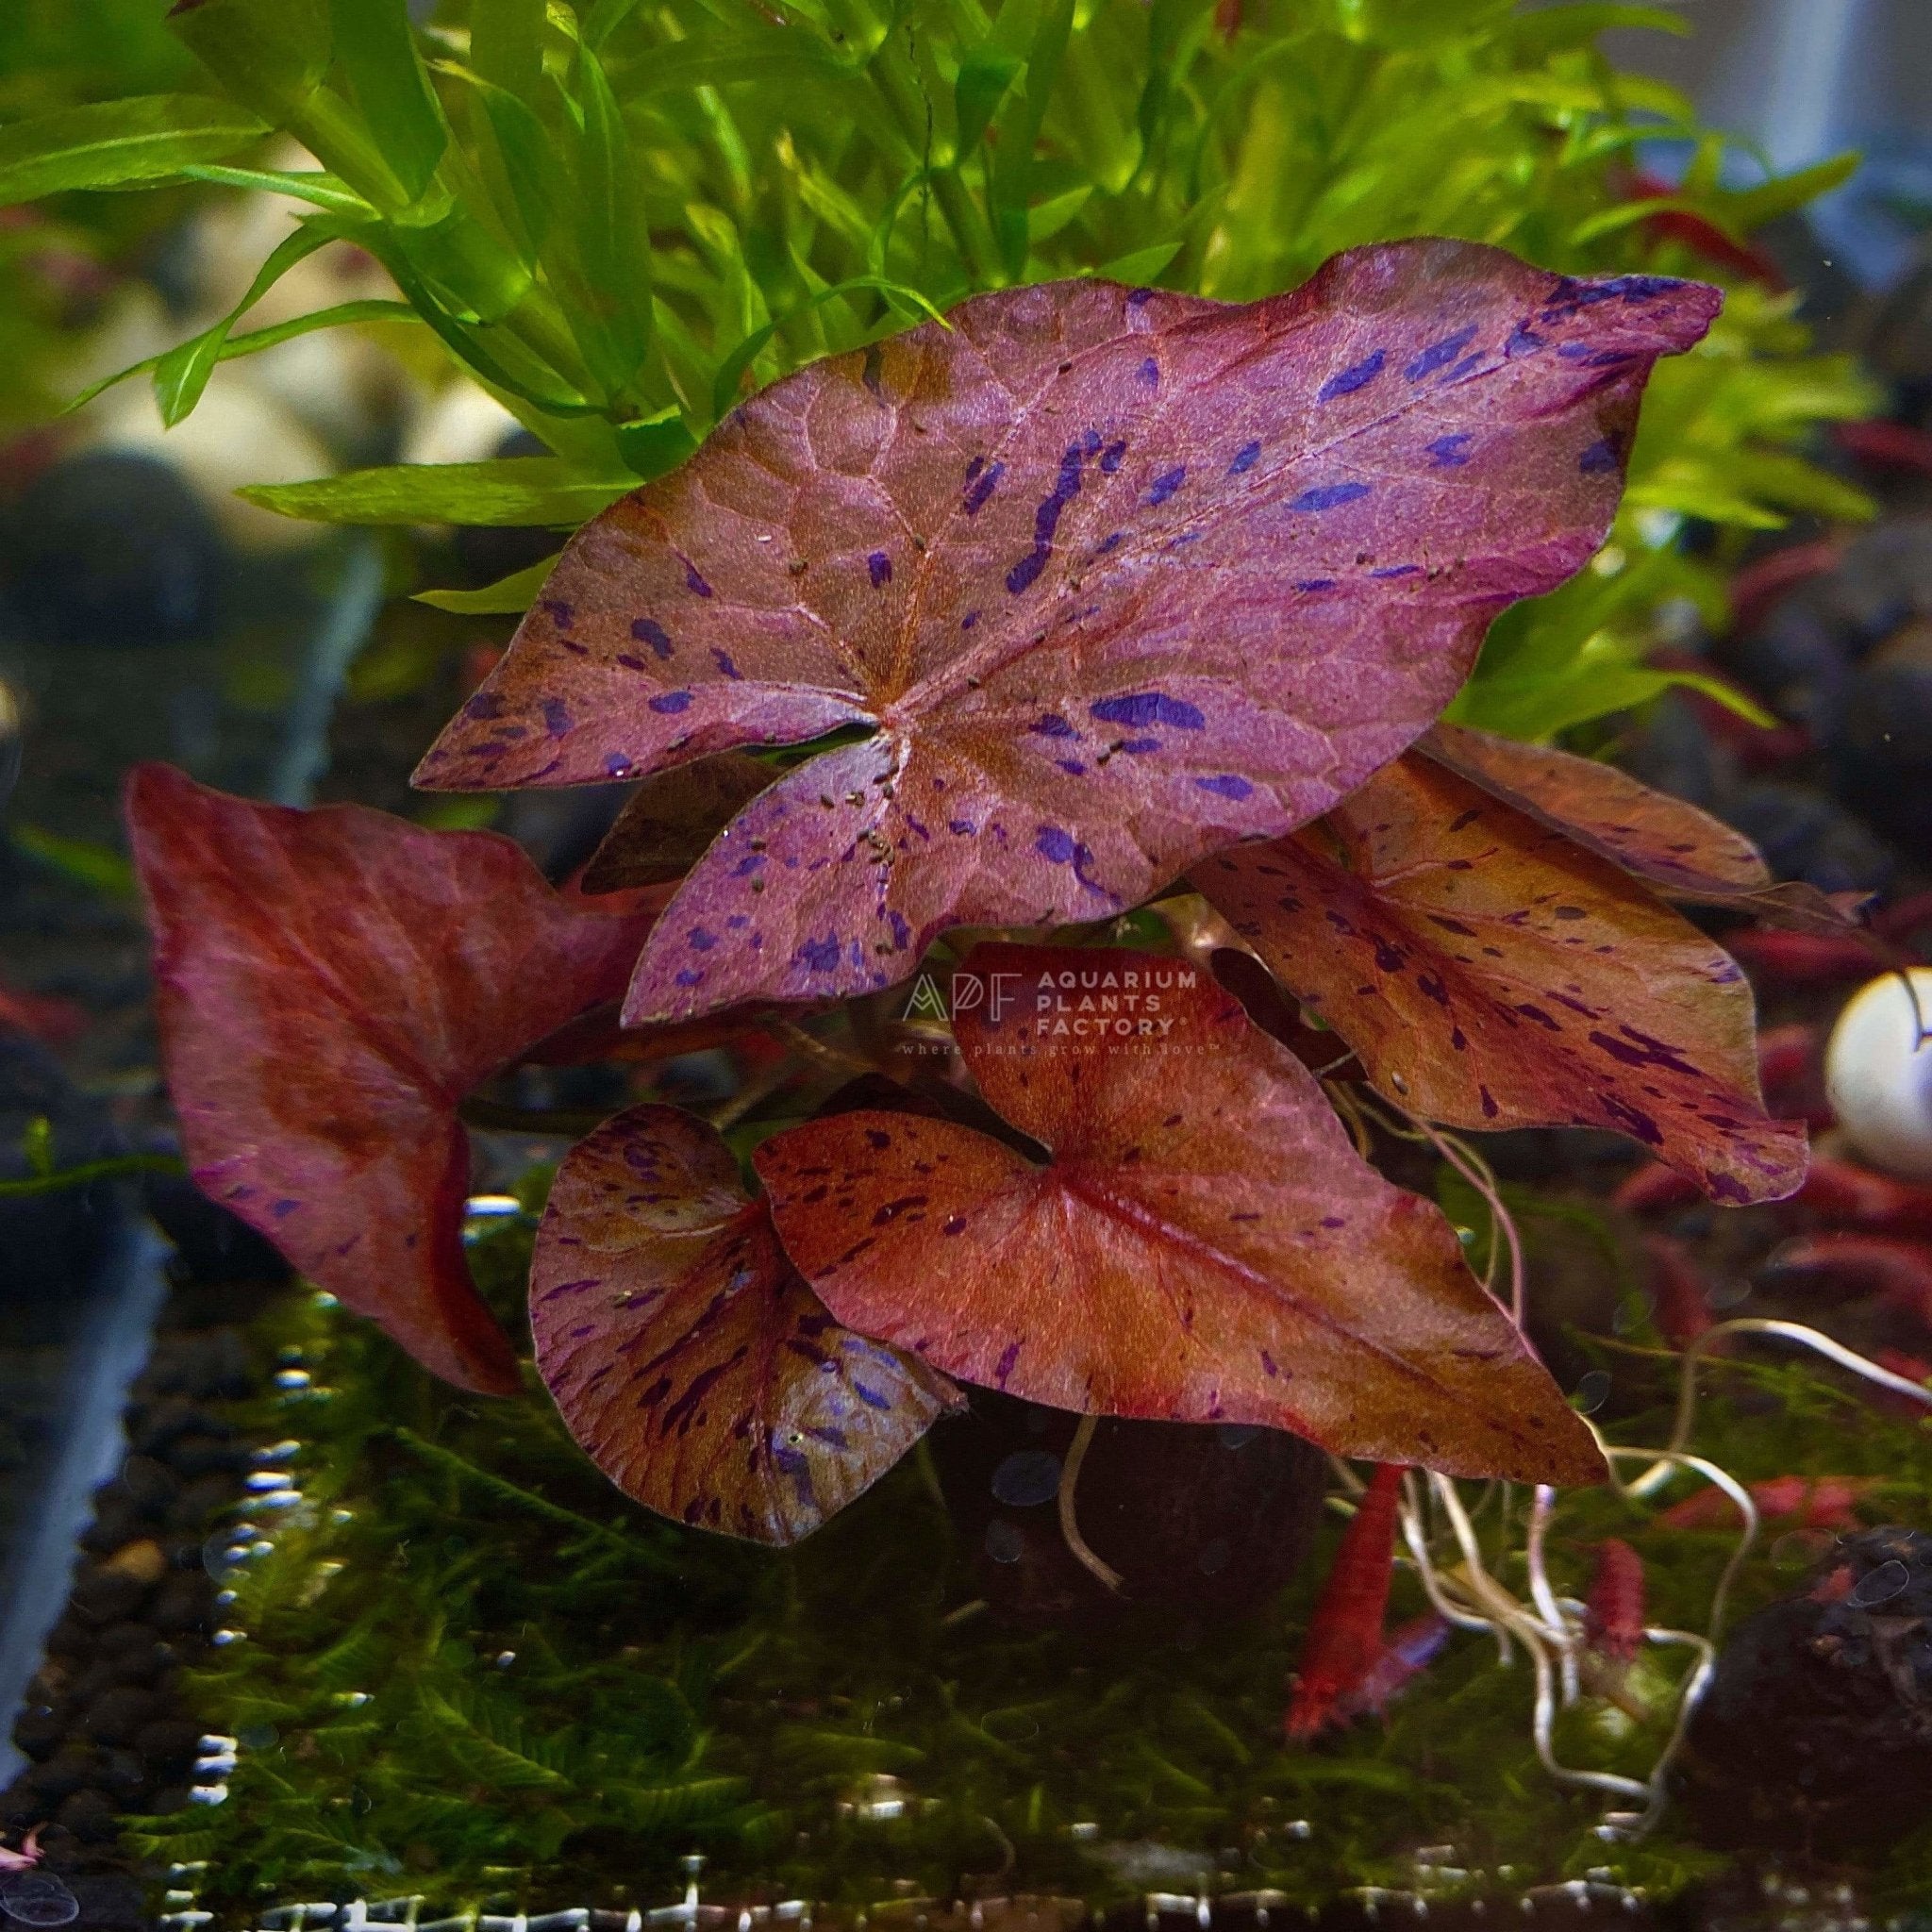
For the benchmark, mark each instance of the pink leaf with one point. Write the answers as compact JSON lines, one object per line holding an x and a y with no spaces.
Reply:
{"x":331,"y":984}
{"x":1113,"y":577}
{"x":702,"y":1375}
{"x":1203,"y":1245}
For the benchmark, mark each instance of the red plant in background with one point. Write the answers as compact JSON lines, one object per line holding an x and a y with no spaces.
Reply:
{"x":1127,"y":590}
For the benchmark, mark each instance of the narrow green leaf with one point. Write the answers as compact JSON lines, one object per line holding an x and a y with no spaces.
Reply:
{"x":532,"y":169}
{"x":319,"y":190}
{"x":367,"y":309}
{"x":613,"y":250}
{"x":111,"y":143}
{"x":507,"y":596}
{"x":985,"y":74}
{"x":605,"y":17}
{"x":376,"y":49}
{"x":270,"y":54}
{"x":1014,"y":165}
{"x":505,"y":491}
{"x":655,"y":444}
{"x":182,"y":374}
{"x":1139,"y":265}
{"x":732,"y":371}
{"x":79,"y":859}
{"x":507,"y":43}
{"x":1753,"y":206}
{"x":719,"y":60}
{"x":465,"y":342}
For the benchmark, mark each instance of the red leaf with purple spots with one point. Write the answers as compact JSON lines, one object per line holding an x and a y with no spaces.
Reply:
{"x":1202,"y":1245}
{"x":1686,"y":854}
{"x":1112,"y":578}
{"x":1489,"y":972}
{"x":696,"y":1367}
{"x":331,"y":984}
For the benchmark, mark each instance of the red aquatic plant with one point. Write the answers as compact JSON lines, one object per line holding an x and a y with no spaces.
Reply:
{"x":1105,"y":597}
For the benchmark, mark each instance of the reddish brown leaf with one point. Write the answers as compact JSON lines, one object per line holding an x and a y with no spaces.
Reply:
{"x":1683,"y":852}
{"x":1203,"y":1245}
{"x":1490,"y":972}
{"x":330,"y":985}
{"x":702,"y":1375}
{"x":672,"y":816}
{"x":1116,"y":577}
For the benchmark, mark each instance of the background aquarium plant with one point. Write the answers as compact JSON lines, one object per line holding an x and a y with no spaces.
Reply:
{"x":1088,"y":519}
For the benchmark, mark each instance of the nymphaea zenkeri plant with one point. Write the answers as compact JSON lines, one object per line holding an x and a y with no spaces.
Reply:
{"x":1085,"y":598}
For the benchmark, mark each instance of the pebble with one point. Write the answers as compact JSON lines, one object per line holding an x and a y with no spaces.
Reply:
{"x":1805,"y":834}
{"x":145,"y":1561}
{"x":1878,"y":1073}
{"x":1881,"y":750}
{"x":114,"y":1716}
{"x":107,"y":1596}
{"x":89,"y":1816}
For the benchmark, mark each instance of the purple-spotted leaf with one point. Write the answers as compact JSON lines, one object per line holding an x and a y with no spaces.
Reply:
{"x":1113,"y":577}
{"x":330,"y":985}
{"x":1490,"y":971}
{"x":1203,"y":1245}
{"x":1685,"y":853}
{"x":696,"y":1367}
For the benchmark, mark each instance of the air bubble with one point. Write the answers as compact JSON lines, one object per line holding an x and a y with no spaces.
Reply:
{"x":1881,"y":1585}
{"x":1004,"y":1542}
{"x":38,"y":1898}
{"x":1027,"y":1477}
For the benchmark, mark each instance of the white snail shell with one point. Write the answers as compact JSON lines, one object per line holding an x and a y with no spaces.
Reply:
{"x":1878,"y":1073}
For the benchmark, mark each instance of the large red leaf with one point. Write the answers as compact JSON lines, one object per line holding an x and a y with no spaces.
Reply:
{"x":1489,"y":972}
{"x":703,"y":1378}
{"x":330,"y":985}
{"x":1204,"y":1244}
{"x":1685,"y":853}
{"x":1115,"y":577}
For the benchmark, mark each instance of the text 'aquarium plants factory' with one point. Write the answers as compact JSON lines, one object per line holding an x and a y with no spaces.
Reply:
{"x":963,"y":964}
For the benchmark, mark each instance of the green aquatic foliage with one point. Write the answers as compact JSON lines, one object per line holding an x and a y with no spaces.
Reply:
{"x":470,"y":1671}
{"x":618,"y":216}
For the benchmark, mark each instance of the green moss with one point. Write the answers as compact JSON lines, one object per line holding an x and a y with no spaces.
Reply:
{"x":471,"y":1669}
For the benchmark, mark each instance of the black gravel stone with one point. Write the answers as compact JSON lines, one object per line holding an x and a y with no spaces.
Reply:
{"x":39,"y":1731}
{"x":1804,"y":835}
{"x":169,"y":1743}
{"x":117,"y":1522}
{"x":158,"y":582}
{"x":200,"y":1499}
{"x":154,"y":1426}
{"x":199,"y":1454}
{"x":1159,"y":1502}
{"x":1881,"y":753}
{"x":71,"y":1637}
{"x":107,"y":1596}
{"x":109,"y":1902}
{"x":149,"y":1484}
{"x":126,"y":1777}
{"x":114,"y":1716}
{"x":182,"y":1603}
{"x":70,"y":1769}
{"x":1814,"y":1736}
{"x":89,"y":1816}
